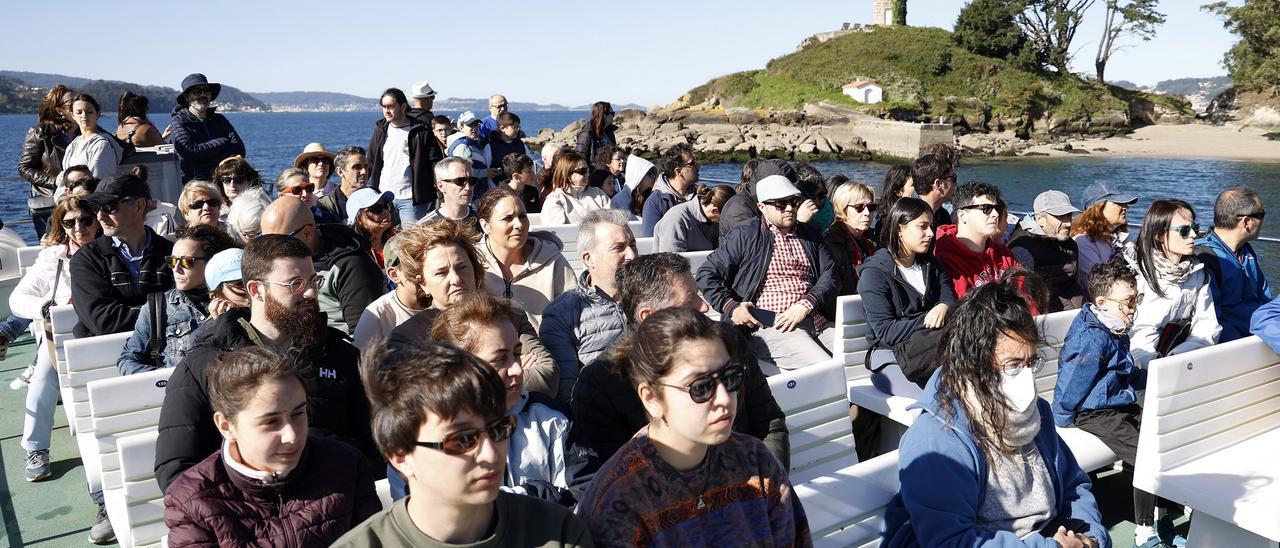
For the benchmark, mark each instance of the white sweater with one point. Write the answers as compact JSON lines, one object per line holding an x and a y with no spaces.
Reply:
{"x":1181,"y":301}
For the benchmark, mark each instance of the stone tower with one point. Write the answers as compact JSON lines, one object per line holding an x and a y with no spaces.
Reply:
{"x":882,"y":12}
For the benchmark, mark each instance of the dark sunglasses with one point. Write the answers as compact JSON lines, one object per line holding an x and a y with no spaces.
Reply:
{"x":184,"y":262}
{"x":378,"y":208}
{"x":113,"y":207}
{"x":581,"y":171}
{"x":785,"y":203}
{"x":1186,"y":231}
{"x":233,"y":179}
{"x":703,"y":388}
{"x":459,"y":443}
{"x":83,"y":222}
{"x":199,"y":204}
{"x":300,"y":189}
{"x":985,"y":208}
{"x":1261,"y":215}
{"x":461,"y":181}
{"x":295,"y":231}
{"x":863,"y":207}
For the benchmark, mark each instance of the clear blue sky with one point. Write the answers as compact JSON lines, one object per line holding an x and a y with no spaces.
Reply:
{"x":570,"y":52}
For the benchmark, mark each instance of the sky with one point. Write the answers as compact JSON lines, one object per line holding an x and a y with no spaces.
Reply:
{"x":571,"y":52}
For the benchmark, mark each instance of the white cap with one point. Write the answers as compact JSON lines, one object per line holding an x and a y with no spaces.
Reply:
{"x":422,"y":90}
{"x":774,"y":187}
{"x":467,"y":117}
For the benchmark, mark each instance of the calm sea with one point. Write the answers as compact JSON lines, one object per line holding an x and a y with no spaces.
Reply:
{"x":274,"y":139}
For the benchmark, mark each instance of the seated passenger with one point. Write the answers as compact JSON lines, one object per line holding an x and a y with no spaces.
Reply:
{"x":1102,"y":231}
{"x":775,"y":278}
{"x":294,"y":182}
{"x":687,"y":478}
{"x":569,"y":197}
{"x":1042,"y":244}
{"x":242,"y":187}
{"x":983,"y":464}
{"x":526,"y":268}
{"x":582,"y":322}
{"x":520,"y":178}
{"x":677,"y":185}
{"x":1176,"y":311}
{"x":270,"y":483}
{"x":439,"y":417}
{"x":1238,"y":284}
{"x":394,"y":308}
{"x":226,"y":287}
{"x":165,"y":330}
{"x":906,"y":295}
{"x":201,"y":204}
{"x":743,"y":207}
{"x":693,"y":225}
{"x":970,"y":249}
{"x":849,"y":238}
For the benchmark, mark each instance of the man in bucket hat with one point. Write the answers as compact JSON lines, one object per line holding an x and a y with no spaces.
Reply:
{"x":200,"y":136}
{"x":1042,"y":243}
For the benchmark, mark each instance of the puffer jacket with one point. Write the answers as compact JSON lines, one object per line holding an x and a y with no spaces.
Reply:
{"x":182,"y":315}
{"x":37,"y":285}
{"x":336,"y":402}
{"x":894,"y":309}
{"x":352,"y":278}
{"x":578,"y":327}
{"x":202,"y":144}
{"x":103,"y":292}
{"x":547,"y":457}
{"x":214,"y":504}
{"x":588,"y":143}
{"x":41,"y":159}
{"x":1095,"y":370}
{"x":1193,"y":299}
{"x":1238,"y":284}
{"x":546,"y":275}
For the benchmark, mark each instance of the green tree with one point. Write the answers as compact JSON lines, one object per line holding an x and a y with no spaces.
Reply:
{"x":1125,"y":18}
{"x":900,"y":12}
{"x":1051,"y":26}
{"x":1254,"y":62}
{"x":989,"y":27}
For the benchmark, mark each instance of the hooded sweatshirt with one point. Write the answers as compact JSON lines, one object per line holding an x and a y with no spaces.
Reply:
{"x":352,"y":278}
{"x":545,"y":275}
{"x":967,"y":269}
{"x":635,"y":171}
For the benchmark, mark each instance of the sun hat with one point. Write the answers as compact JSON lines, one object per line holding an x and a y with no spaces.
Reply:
{"x":223,"y":266}
{"x":1054,"y":202}
{"x":422,"y":90}
{"x":197,"y":79}
{"x":774,"y":187}
{"x":363,"y":198}
{"x":311,"y":151}
{"x":1103,"y":190}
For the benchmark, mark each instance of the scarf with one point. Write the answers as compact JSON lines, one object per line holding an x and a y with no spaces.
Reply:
{"x":1020,"y":427}
{"x":1115,"y":325}
{"x":1173,"y":273}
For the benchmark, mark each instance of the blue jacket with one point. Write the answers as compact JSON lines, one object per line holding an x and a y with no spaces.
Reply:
{"x":1095,"y":370}
{"x":577,"y":327}
{"x":182,"y":317}
{"x":1266,"y":324}
{"x":1239,"y":286}
{"x":735,"y":271}
{"x":944,"y":474}
{"x":202,"y":144}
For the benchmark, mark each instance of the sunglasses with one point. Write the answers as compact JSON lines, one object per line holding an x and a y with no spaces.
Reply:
{"x":1261,"y":215}
{"x":1186,"y":231}
{"x":199,"y":204}
{"x":461,"y":181}
{"x":785,"y":203}
{"x":985,"y":208}
{"x":82,"y":222}
{"x":232,"y":179}
{"x":1129,"y":304}
{"x":580,"y":171}
{"x":299,"y":190}
{"x":459,"y":443}
{"x":112,"y":208}
{"x":863,"y":207}
{"x":184,"y":262}
{"x":703,"y":388}
{"x":377,"y":208}
{"x":295,"y":231}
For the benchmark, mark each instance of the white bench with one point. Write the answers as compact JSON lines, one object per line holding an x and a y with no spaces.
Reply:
{"x":1209,"y":438}
{"x":27,"y":257}
{"x":696,"y":260}
{"x":847,"y":508}
{"x":89,"y":359}
{"x":817,"y":411}
{"x":136,"y":509}
{"x":122,"y":406}
{"x":62,"y":320}
{"x":535,"y":219}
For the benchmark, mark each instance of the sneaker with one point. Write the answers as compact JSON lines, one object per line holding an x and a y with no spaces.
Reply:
{"x":1144,"y":536}
{"x":101,"y":532}
{"x":24,"y":379}
{"x":1168,"y":533}
{"x":38,"y":465}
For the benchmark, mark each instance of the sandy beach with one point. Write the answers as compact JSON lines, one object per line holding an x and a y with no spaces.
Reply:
{"x":1181,"y":141}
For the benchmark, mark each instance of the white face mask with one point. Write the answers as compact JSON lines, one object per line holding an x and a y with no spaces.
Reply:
{"x":1020,"y":389}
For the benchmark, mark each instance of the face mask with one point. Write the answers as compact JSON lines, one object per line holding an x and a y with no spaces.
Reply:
{"x":1019,"y":390}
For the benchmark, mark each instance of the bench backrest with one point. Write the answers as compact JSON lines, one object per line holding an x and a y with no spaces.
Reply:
{"x":1053,"y":333}
{"x":847,"y":508}
{"x":851,"y":329}
{"x":141,"y":522}
{"x":27,"y":257}
{"x":814,"y":401}
{"x":644,"y":246}
{"x":121,"y":406}
{"x":535,"y":219}
{"x":90,"y":359}
{"x":62,"y":320}
{"x":1203,"y":401}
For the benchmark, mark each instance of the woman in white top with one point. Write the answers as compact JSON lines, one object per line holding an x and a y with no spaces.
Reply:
{"x":1175,"y":311}
{"x":571,"y":197}
{"x":48,"y":283}
{"x":94,"y":147}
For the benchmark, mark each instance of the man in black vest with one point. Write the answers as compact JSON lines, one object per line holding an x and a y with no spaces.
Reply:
{"x":1042,"y":243}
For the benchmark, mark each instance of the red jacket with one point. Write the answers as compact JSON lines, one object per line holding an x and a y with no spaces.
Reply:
{"x":967,"y":269}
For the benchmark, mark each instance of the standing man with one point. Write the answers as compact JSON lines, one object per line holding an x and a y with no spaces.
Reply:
{"x":1042,"y":243}
{"x":423,"y":99}
{"x":401,"y":155}
{"x":934,"y":180}
{"x":201,"y":137}
{"x":677,"y":185}
{"x":1236,"y":280}
{"x":497,"y":106}
{"x":353,"y":173}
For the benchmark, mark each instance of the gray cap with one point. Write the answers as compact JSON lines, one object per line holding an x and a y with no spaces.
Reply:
{"x":1054,"y":202}
{"x":1103,"y":190}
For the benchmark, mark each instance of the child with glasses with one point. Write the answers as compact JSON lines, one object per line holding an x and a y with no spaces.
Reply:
{"x":687,"y":479}
{"x":440,"y":417}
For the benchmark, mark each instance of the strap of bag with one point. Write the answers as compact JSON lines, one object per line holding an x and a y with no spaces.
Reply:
{"x":157,"y":305}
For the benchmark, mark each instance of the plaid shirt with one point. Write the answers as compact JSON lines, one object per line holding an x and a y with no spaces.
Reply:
{"x":788,"y":278}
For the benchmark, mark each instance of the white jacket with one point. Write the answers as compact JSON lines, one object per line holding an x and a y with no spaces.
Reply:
{"x":36,"y":286}
{"x":562,"y":208}
{"x":538,"y":447}
{"x":1193,"y":297}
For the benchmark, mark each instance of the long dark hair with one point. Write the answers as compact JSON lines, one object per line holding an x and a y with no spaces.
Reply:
{"x":597,"y":118}
{"x":1155,"y":226}
{"x":51,"y":121}
{"x":903,"y":211}
{"x":650,"y":353}
{"x":894,"y":181}
{"x":967,"y":353}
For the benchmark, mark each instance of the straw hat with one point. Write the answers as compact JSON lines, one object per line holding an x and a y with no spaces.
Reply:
{"x":311,"y":151}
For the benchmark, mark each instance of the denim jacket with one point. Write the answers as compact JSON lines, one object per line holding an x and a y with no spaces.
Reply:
{"x":182,"y":316}
{"x":1095,"y":370}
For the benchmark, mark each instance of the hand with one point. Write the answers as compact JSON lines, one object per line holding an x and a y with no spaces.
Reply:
{"x":788,"y":320}
{"x":1071,"y":539}
{"x":934,"y":318}
{"x":807,"y":210}
{"x":44,"y":310}
{"x":742,"y":316}
{"x":218,"y":306}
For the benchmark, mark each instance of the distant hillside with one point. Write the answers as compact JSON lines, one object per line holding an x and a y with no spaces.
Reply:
{"x":482,"y":105}
{"x":108,"y":93}
{"x":1200,"y":91}
{"x":309,"y":101}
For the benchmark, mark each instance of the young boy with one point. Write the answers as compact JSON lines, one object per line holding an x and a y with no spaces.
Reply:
{"x":519,"y":167}
{"x":1098,"y":380}
{"x":506,"y":140}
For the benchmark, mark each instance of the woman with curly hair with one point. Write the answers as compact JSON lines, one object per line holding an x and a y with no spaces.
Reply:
{"x":1100,"y":231}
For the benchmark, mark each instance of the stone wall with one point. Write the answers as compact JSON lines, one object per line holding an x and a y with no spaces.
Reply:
{"x":901,"y":139}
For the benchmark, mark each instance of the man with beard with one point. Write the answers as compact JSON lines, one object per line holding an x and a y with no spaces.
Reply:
{"x":352,"y":279}
{"x":201,"y":137}
{"x":284,"y":315}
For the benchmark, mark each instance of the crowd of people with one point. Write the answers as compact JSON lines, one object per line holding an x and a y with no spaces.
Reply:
{"x":407,"y":321}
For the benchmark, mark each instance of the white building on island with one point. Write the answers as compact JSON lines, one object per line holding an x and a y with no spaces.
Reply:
{"x":864,"y":91}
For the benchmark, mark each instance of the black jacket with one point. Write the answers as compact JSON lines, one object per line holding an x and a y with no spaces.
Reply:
{"x":587,"y":144}
{"x":41,"y":159}
{"x":848,"y":252}
{"x":608,"y":410}
{"x":735,"y":271}
{"x":894,"y":309}
{"x":352,"y":277}
{"x":1054,"y":260}
{"x":424,"y":152}
{"x":336,"y":403}
{"x":336,"y":203}
{"x":202,"y":144}
{"x":102,"y":289}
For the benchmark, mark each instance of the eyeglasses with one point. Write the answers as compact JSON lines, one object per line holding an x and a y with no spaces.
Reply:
{"x":378,"y":208}
{"x":184,"y":262}
{"x":459,"y":443}
{"x":1129,"y":304}
{"x":784,"y":203}
{"x":690,"y":163}
{"x":863,"y":207}
{"x":1034,"y":363}
{"x":299,"y":190}
{"x":318,"y":160}
{"x":985,"y":208}
{"x":298,"y":285}
{"x":1186,"y":231}
{"x":232,"y":179}
{"x":113,"y":207}
{"x":703,"y":388}
{"x":461,"y":181}
{"x":199,"y":204}
{"x":298,"y":230}
{"x":1259,"y":215}
{"x":501,"y":105}
{"x":82,"y":222}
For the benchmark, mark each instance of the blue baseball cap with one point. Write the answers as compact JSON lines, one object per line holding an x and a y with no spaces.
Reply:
{"x":224,"y":266}
{"x":363,"y":198}
{"x":1102,"y":190}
